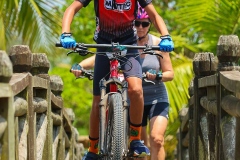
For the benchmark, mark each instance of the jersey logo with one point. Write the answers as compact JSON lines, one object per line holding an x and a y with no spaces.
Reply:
{"x":118,"y":5}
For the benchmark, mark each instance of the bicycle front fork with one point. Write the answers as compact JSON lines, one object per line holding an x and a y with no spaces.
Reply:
{"x":103,"y":105}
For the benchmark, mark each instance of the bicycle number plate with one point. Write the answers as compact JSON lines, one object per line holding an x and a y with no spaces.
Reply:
{"x":120,"y":76}
{"x":111,"y":55}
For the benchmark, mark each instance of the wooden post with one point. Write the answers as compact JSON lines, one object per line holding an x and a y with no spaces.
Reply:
{"x":203,"y":65}
{"x":7,"y":138}
{"x":41,"y":90}
{"x":228,"y":53}
{"x":21,"y":57}
{"x":191,"y":120}
{"x":56,"y":86}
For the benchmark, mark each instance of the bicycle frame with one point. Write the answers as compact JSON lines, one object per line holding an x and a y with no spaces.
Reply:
{"x":113,"y":82}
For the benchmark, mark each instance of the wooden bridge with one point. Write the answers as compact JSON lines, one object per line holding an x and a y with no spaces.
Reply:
{"x":210,"y":125}
{"x":34,"y":124}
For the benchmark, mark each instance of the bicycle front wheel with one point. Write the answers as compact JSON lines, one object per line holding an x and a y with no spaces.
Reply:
{"x":115,"y":128}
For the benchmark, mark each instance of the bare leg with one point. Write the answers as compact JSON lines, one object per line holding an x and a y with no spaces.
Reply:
{"x":135,"y":94}
{"x":94,"y":118}
{"x":158,"y":125}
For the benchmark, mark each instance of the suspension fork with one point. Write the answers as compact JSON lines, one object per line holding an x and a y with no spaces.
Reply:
{"x":102,"y":115}
{"x":126,"y":116}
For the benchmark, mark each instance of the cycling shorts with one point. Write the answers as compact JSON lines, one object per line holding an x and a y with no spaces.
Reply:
{"x":158,"y":109}
{"x":130,"y":64}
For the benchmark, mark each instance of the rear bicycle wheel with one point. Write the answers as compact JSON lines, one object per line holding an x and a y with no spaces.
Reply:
{"x":115,"y":128}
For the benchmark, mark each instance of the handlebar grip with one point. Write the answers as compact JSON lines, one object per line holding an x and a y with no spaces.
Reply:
{"x":58,"y":45}
{"x":158,"y":75}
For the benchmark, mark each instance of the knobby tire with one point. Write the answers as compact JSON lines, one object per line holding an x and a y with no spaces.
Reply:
{"x":115,"y":128}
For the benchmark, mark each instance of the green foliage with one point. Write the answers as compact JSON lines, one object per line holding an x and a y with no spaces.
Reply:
{"x":34,"y":23}
{"x":203,"y":21}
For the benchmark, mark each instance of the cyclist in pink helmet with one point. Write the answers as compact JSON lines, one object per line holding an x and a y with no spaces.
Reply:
{"x":156,"y":103}
{"x":142,"y":14}
{"x":142,"y":19}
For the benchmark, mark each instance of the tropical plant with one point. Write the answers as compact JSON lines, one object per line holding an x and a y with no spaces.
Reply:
{"x":31,"y":22}
{"x":203,"y":21}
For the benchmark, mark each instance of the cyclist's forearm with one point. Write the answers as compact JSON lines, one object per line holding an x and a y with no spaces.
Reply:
{"x":157,"y":20}
{"x":167,"y":76}
{"x":69,"y":14}
{"x":88,"y":63}
{"x":160,"y":25}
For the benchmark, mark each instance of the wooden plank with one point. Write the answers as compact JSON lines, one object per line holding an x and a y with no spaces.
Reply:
{"x":19,"y":82}
{"x":67,"y":122}
{"x":5,"y":90}
{"x":39,"y":82}
{"x":207,"y":81}
{"x":230,"y":80}
{"x":32,"y":150}
{"x":7,"y":139}
{"x":231,"y":105}
{"x":191,"y":100}
{"x":184,"y":117}
{"x":210,"y":106}
{"x":57,"y":101}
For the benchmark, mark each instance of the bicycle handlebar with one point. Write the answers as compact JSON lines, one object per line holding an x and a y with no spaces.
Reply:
{"x":79,"y":45}
{"x":82,"y":49}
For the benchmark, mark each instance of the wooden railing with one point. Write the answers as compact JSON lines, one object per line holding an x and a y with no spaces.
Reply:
{"x":210,"y":125}
{"x":34,"y":124}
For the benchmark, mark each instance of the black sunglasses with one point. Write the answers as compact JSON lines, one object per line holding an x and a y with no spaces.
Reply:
{"x":144,"y":24}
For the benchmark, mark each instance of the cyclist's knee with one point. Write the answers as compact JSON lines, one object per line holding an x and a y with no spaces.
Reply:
{"x":157,"y":140}
{"x":135,"y":91}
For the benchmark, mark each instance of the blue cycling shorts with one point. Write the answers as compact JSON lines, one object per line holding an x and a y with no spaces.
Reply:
{"x":158,"y":109}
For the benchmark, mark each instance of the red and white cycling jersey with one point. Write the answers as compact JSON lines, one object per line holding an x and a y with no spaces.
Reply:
{"x":114,"y":18}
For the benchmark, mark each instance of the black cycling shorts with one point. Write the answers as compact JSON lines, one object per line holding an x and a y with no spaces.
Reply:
{"x":130,"y":64}
{"x":158,"y":109}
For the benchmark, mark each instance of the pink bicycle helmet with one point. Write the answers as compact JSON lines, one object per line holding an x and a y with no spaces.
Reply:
{"x":142,"y":14}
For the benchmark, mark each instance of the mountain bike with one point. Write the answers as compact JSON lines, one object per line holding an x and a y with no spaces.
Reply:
{"x":113,"y":107}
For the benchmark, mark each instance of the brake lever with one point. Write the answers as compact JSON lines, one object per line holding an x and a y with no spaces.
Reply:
{"x":70,"y":52}
{"x":148,"y":50}
{"x":80,"y":49}
{"x":87,"y":74}
{"x":158,"y":54}
{"x":146,"y":80}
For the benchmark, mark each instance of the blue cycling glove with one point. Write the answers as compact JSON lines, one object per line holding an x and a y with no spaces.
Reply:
{"x":158,"y":74}
{"x":166,"y":44}
{"x":67,"y":41}
{"x":76,"y":66}
{"x":152,"y":71}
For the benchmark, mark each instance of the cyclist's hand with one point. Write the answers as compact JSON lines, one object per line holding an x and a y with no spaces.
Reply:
{"x":151,"y":74}
{"x":166,"y":44}
{"x":67,"y":41}
{"x":76,"y":70}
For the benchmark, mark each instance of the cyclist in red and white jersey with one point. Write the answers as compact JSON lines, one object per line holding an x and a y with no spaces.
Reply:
{"x":114,"y":23}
